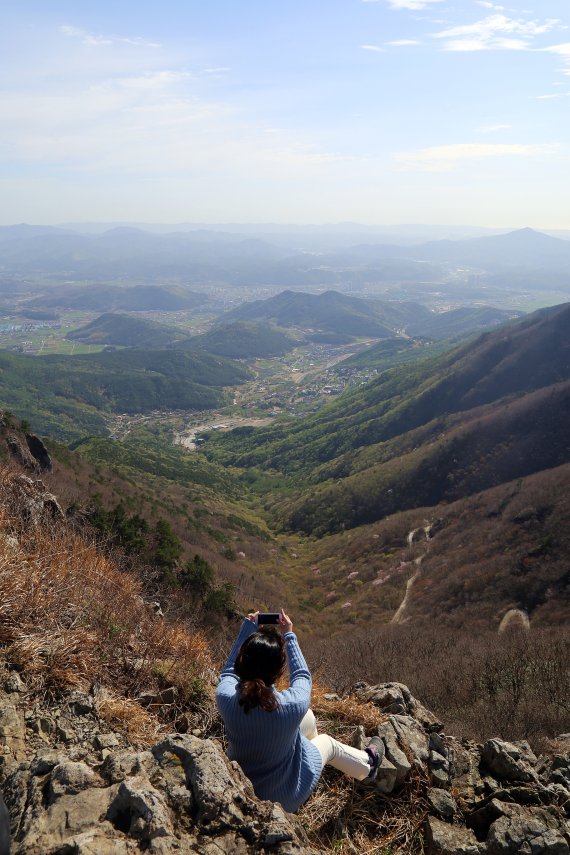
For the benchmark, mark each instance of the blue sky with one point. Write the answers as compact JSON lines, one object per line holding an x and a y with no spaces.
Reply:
{"x":377,"y":111}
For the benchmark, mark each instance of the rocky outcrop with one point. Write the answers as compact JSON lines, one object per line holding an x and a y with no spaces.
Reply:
{"x":494,"y":799}
{"x":182,"y":796}
{"x":35,"y":503}
{"x":29,"y":452}
{"x":71,"y":785}
{"x":39,"y":452}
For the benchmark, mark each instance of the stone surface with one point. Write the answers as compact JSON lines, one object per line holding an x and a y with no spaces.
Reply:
{"x":394,"y":752}
{"x":509,"y":761}
{"x":183,"y":796}
{"x":442,"y":803}
{"x":445,"y":839}
{"x":528,"y":831}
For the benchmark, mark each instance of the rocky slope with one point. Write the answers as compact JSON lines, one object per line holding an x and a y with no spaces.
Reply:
{"x":73,"y":786}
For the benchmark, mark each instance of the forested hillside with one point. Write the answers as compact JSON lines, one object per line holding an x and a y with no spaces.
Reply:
{"x":68,"y":397}
{"x":424,"y":431}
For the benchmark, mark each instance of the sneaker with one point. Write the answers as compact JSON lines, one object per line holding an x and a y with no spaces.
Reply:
{"x":375,"y":751}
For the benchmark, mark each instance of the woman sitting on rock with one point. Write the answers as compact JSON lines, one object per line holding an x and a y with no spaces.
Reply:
{"x":271,"y":734}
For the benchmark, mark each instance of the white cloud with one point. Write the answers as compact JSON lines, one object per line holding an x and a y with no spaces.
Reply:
{"x":444,"y":158}
{"x":156,"y":124}
{"x":493,"y":129}
{"x":487,"y":5}
{"x":375,"y":48}
{"x":546,"y":97}
{"x":495,"y":32}
{"x":562,"y":50}
{"x":414,"y":5}
{"x":98,"y":40}
{"x":403,"y":42}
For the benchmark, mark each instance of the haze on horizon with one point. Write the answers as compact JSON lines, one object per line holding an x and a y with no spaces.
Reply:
{"x":371,"y":111}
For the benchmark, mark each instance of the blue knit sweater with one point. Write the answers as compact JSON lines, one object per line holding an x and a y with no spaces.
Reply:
{"x":282,"y":764}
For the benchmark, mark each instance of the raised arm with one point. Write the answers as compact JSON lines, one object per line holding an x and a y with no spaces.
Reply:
{"x":247,"y":628}
{"x":299,"y":691}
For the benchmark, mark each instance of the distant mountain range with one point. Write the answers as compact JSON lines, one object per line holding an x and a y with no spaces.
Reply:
{"x":211,"y":256}
{"x":109,"y":298}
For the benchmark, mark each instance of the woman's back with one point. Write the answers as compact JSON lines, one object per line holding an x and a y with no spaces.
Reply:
{"x":282,"y":764}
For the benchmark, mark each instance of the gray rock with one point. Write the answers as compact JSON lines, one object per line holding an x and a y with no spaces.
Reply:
{"x":439,"y":778}
{"x":14,"y":684}
{"x":445,"y":839}
{"x":105,"y":740}
{"x":39,"y":452}
{"x":528,"y":831}
{"x":387,"y":776}
{"x":21,"y":454}
{"x":438,"y":761}
{"x":442,"y":803}
{"x":464,"y":770}
{"x":12,"y":731}
{"x":69,"y":778}
{"x":394,"y":753}
{"x":411,"y":735}
{"x":509,"y":761}
{"x":185,"y":796}
{"x":437,"y":744}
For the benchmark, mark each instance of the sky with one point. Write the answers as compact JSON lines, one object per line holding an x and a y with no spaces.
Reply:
{"x":310,"y":111}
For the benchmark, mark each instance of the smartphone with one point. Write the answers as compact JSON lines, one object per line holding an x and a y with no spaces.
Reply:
{"x":267,"y":617}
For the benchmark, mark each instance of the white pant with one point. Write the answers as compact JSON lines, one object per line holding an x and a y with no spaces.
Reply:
{"x":351,"y":761}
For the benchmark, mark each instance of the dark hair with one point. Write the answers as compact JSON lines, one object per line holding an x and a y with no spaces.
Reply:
{"x":260,"y":662}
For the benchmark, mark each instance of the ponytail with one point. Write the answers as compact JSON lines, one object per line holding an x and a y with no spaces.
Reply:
{"x":254,"y":693}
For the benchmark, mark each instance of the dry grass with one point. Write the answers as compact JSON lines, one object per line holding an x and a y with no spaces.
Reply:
{"x":350,"y":819}
{"x":139,"y":726}
{"x":345,"y":713}
{"x":71,"y":618}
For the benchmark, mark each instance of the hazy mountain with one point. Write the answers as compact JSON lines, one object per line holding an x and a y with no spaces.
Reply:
{"x":244,"y":340}
{"x":328,"y":311}
{"x":459,"y":322}
{"x":105,"y":298}
{"x":128,"y":331}
{"x":518,"y":249}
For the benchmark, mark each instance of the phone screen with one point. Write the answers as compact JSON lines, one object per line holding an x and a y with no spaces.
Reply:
{"x":268,"y":617}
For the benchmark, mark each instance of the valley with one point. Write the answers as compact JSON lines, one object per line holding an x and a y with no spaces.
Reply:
{"x":327,"y":424}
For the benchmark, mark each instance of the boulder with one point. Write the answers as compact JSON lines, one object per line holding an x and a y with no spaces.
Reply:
{"x":39,"y":452}
{"x":509,"y":761}
{"x":445,"y":839}
{"x":442,"y":803}
{"x":528,"y":831}
{"x":21,"y":454}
